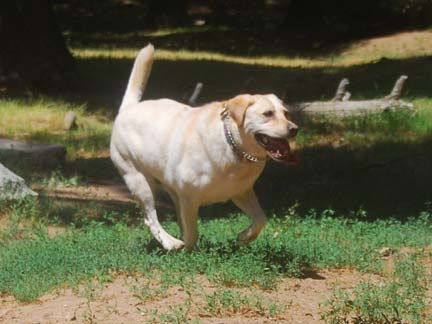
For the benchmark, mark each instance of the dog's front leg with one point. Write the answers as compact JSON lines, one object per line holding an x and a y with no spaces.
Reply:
{"x":188,"y":219}
{"x":248,"y":203}
{"x":142,"y":190}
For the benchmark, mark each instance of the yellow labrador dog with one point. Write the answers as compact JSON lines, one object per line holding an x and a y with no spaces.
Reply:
{"x":203,"y":155}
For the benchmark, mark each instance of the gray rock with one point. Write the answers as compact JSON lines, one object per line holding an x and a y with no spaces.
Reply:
{"x":13,"y":186}
{"x":24,"y":154}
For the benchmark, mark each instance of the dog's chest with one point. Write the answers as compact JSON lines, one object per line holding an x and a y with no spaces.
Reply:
{"x":223,"y":185}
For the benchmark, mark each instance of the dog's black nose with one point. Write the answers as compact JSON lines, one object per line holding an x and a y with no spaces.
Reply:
{"x":292,"y":130}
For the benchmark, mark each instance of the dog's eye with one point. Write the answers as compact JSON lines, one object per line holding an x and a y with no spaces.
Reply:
{"x":268,"y":113}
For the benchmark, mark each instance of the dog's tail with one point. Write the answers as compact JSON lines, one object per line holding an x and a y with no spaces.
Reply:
{"x":139,"y":76}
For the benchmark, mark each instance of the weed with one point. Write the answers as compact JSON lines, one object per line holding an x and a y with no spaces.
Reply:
{"x":92,"y":290}
{"x":224,"y":302}
{"x":401,"y":300}
{"x":89,"y":316}
{"x":57,"y":179}
{"x":178,"y":314}
{"x":22,"y":220}
{"x":145,"y":291}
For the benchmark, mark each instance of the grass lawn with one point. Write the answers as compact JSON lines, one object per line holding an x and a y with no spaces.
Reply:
{"x":360,"y":201}
{"x":106,"y":245}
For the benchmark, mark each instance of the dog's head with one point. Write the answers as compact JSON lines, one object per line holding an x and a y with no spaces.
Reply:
{"x":266,"y":120}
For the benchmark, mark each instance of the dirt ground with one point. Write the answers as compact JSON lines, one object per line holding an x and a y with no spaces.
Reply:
{"x":115,"y":302}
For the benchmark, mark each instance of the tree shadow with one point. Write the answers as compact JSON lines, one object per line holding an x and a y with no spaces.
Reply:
{"x":388,"y":179}
{"x":251,"y":28}
{"x":104,"y":80}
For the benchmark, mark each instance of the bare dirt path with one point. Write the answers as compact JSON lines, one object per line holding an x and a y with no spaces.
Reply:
{"x":299,"y":300}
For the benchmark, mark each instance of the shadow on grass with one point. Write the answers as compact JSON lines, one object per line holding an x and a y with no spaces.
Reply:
{"x":225,"y":41}
{"x":104,"y":80}
{"x":387,"y":178}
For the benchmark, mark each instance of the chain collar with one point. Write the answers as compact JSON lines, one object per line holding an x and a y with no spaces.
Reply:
{"x":225,"y":115}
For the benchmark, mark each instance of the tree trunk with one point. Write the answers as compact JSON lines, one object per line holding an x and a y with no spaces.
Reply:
{"x":33,"y":52}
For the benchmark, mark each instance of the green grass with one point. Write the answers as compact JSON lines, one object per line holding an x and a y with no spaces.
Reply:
{"x":33,"y":264}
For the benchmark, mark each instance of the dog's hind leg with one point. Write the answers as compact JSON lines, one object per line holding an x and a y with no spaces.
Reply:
{"x":188,"y":219}
{"x":248,"y":203}
{"x":141,"y":188}
{"x":176,"y":203}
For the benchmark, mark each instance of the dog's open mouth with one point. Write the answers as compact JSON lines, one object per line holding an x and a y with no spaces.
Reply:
{"x":277,"y":148}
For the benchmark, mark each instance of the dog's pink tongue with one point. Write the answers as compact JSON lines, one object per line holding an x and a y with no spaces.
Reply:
{"x":281,"y":150}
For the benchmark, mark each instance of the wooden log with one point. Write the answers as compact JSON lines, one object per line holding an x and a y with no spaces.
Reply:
{"x":348,"y":108}
{"x":341,"y":107}
{"x":41,"y":156}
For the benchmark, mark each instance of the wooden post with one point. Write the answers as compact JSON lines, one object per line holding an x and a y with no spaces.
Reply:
{"x":397,"y":89}
{"x":341,"y":90}
{"x":193,"y":98}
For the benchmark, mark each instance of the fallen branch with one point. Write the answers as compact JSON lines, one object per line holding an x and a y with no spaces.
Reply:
{"x":349,"y":108}
{"x":341,"y":106}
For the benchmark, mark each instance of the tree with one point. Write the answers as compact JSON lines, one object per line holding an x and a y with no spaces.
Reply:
{"x":33,"y":52}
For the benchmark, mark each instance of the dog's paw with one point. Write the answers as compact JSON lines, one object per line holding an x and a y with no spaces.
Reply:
{"x":244,"y":237}
{"x":247,"y":236}
{"x":173,"y":244}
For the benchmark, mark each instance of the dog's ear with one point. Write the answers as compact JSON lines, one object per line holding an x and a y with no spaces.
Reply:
{"x":237,"y":107}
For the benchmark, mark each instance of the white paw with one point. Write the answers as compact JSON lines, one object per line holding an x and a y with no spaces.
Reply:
{"x":172,"y":244}
{"x":245,"y":237}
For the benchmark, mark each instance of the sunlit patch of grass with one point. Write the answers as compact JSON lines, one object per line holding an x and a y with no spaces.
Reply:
{"x":187,"y":55}
{"x":264,"y":60}
{"x":25,"y":117}
{"x":41,"y":121}
{"x":398,"y":47}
